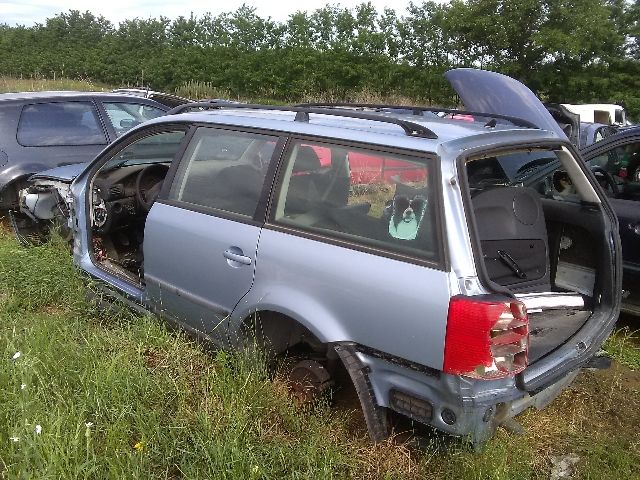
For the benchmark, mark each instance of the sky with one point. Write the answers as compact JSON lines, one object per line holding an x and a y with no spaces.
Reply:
{"x":29,"y":12}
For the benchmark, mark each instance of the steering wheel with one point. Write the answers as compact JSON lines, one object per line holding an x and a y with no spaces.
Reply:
{"x":615,"y":191}
{"x":149,"y":183}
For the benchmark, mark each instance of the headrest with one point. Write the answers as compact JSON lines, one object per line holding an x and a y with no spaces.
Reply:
{"x":307,"y":160}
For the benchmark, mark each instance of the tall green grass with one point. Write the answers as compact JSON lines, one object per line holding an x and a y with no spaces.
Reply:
{"x":624,"y":346}
{"x":200,"y":90}
{"x":112,"y":394}
{"x":118,"y":396}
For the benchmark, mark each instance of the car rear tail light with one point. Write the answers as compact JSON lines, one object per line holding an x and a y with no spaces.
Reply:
{"x":486,"y":339}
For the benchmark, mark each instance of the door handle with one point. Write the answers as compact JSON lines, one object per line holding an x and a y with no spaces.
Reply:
{"x":235,"y":255}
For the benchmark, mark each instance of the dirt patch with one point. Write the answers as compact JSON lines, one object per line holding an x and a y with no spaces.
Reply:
{"x":55,"y":310}
{"x":5,"y":226}
{"x":154,"y":359}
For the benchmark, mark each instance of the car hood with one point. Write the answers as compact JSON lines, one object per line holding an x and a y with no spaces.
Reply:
{"x":64,"y":173}
{"x":492,"y":93}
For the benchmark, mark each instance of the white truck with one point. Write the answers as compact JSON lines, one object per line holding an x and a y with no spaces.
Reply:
{"x":605,"y":113}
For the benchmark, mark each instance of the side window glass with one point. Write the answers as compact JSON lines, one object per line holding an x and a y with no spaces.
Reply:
{"x":223,"y":169}
{"x":60,"y":123}
{"x":599,"y":135}
{"x":601,"y":161}
{"x":380,"y":200}
{"x":124,"y":116}
{"x":156,"y":148}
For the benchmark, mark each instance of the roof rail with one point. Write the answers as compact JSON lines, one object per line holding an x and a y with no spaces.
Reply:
{"x":302,"y":114}
{"x":418,"y":110}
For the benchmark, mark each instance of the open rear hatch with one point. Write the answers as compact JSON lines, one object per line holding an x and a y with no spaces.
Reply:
{"x":544,"y":232}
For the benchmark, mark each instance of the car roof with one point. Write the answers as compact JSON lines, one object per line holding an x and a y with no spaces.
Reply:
{"x":446,"y":130}
{"x":68,"y":94}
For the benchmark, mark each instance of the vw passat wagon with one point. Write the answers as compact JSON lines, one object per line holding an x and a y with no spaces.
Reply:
{"x":461,"y":270}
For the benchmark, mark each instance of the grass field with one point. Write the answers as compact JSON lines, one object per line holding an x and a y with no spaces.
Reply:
{"x":116,"y":395}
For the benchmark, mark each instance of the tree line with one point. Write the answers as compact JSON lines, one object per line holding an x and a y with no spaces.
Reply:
{"x":565,"y":50}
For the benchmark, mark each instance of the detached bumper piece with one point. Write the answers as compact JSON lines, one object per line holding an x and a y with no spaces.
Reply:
{"x":375,"y":416}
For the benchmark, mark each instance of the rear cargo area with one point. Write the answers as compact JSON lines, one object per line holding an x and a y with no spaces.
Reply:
{"x":540,"y":237}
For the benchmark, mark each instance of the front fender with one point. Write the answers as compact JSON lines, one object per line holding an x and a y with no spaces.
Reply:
{"x":18,"y":171}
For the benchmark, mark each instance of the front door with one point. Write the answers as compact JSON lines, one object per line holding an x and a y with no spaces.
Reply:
{"x":617,"y":165}
{"x":618,"y":169}
{"x":201,"y":238}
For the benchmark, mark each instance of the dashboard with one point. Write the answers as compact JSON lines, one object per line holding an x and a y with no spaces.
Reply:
{"x":120,"y":196}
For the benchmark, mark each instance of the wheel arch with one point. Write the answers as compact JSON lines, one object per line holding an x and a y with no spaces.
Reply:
{"x":285,"y":310}
{"x":279,"y":330}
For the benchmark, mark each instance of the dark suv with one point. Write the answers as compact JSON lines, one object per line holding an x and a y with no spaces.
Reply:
{"x":42,"y":130}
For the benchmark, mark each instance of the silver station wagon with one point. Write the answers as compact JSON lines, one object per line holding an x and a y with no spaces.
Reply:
{"x":462,"y":266}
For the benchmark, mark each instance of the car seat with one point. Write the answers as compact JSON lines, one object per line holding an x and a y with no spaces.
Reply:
{"x":236,"y":189}
{"x":304,"y":193}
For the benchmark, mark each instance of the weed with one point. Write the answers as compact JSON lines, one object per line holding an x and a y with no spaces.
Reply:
{"x":624,"y":346}
{"x":39,"y":83}
{"x":202,"y":90}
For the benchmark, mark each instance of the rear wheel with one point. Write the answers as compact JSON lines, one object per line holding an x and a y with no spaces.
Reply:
{"x":317,"y":366}
{"x":308,"y":380}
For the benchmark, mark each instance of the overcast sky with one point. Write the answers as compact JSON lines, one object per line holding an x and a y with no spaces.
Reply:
{"x":28,"y":12}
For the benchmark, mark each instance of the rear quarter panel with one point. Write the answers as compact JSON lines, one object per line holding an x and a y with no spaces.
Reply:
{"x":341,"y":294}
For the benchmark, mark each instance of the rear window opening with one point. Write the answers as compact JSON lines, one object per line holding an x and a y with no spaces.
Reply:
{"x":539,"y":228}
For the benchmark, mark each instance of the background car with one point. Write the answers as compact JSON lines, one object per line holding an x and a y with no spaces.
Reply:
{"x":605,"y":113}
{"x":591,"y":133}
{"x":616,"y":162}
{"x":42,"y":130}
{"x":168,"y":99}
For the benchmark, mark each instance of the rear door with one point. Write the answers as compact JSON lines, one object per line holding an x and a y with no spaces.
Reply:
{"x":55,"y":133}
{"x":201,"y":239}
{"x":354,"y":261}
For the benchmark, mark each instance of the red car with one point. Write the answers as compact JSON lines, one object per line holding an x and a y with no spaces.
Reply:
{"x":367,"y":169}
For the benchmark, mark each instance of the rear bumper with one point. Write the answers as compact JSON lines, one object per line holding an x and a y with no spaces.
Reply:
{"x":456,"y":405}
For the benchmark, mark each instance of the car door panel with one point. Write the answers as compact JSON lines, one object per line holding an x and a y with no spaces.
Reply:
{"x":200,"y":242}
{"x":612,"y":150}
{"x":188,"y":270}
{"x":628,"y":213}
{"x":345,"y":294}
